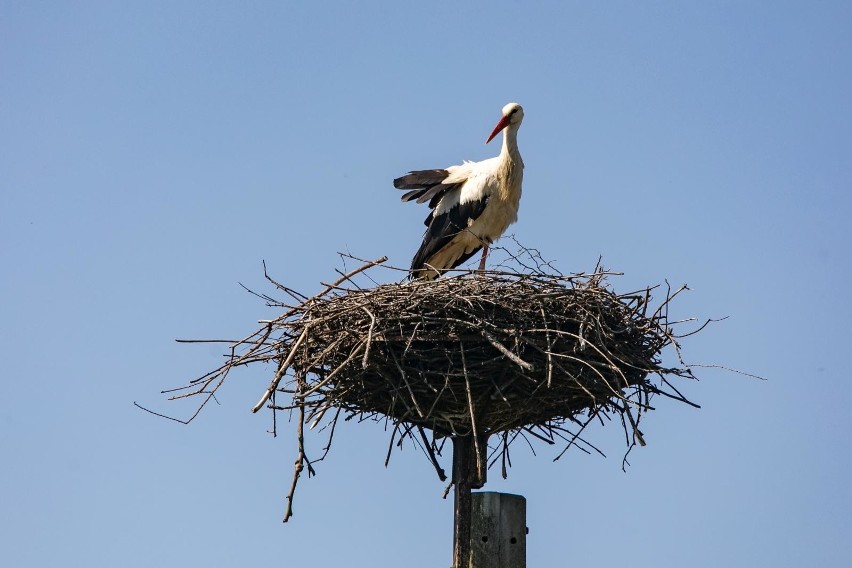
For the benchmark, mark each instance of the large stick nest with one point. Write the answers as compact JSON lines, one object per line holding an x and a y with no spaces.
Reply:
{"x":474,"y":353}
{"x":527,"y":352}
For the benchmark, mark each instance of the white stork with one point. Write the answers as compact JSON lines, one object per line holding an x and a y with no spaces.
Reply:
{"x":472,"y":204}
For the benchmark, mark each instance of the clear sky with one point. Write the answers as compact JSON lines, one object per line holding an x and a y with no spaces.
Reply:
{"x":153,"y":154}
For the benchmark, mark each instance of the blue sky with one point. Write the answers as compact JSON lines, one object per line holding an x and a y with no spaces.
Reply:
{"x":153,"y":154}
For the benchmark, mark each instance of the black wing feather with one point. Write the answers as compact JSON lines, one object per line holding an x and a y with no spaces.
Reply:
{"x":442,"y":228}
{"x":413,"y":194}
{"x":420,"y":179}
{"x":435,"y":191}
{"x":425,"y":185}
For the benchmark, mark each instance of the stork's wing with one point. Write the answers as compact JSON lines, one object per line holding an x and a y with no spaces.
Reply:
{"x":444,"y":227}
{"x":427,"y":185}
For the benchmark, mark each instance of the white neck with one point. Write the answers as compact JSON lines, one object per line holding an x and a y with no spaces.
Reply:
{"x":510,"y":143}
{"x":510,"y":140}
{"x":511,"y":167}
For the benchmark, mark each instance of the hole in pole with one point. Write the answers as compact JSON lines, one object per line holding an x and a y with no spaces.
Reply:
{"x":484,"y":538}
{"x":513,"y":540}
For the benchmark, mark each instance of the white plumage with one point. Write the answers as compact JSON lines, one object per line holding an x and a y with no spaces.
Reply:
{"x":472,"y":203}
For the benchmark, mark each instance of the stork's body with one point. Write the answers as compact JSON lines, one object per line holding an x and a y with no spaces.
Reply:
{"x":472,"y":203}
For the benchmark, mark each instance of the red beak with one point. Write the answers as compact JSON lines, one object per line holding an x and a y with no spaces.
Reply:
{"x":504,"y":122}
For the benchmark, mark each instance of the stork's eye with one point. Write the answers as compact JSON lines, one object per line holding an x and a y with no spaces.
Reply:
{"x":514,"y":110}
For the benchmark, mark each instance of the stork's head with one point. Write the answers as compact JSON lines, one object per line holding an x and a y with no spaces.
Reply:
{"x":513,"y":114}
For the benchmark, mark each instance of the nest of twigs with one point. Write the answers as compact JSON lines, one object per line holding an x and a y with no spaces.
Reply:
{"x":474,"y":353}
{"x":513,"y":353}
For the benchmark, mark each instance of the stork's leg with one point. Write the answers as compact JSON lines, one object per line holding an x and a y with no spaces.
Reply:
{"x":484,"y":254}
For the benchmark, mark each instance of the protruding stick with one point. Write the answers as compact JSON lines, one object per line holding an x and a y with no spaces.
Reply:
{"x":281,"y":370}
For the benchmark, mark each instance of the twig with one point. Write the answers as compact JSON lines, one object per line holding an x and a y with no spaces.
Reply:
{"x":281,"y":370}
{"x":502,"y":349}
